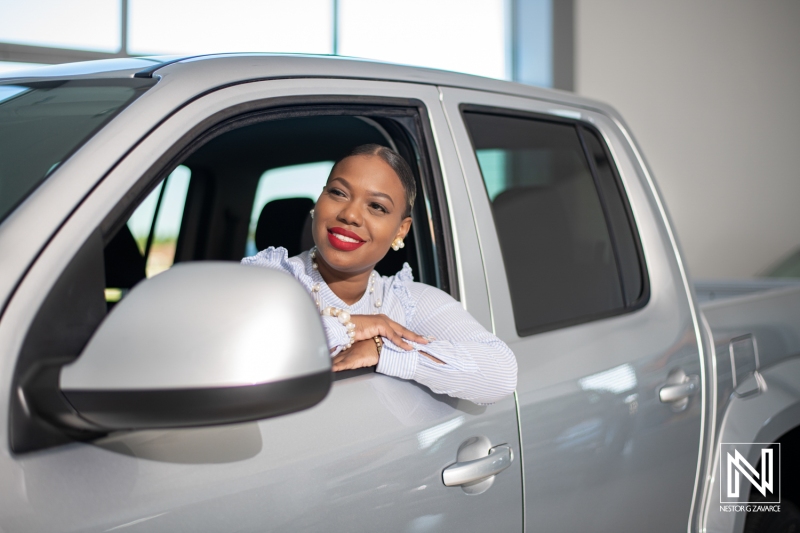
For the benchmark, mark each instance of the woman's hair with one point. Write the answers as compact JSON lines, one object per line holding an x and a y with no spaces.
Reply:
{"x":398,"y":164}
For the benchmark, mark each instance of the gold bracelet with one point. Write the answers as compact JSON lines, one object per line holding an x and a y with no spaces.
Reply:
{"x":378,"y":343}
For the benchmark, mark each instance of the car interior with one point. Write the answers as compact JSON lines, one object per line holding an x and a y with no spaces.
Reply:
{"x":253,"y":186}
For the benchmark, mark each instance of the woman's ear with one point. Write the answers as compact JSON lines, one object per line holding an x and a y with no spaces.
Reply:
{"x":405,"y":226}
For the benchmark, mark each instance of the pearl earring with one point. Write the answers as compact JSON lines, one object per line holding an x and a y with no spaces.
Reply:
{"x":311,"y":212}
{"x":397,"y":244}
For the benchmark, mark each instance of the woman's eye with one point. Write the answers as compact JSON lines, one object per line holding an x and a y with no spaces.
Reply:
{"x":378,"y":207}
{"x":336,"y":192}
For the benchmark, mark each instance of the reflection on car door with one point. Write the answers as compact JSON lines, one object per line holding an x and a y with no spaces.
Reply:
{"x":367,"y":458}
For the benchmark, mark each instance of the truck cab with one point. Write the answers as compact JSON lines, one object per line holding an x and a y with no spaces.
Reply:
{"x":141,"y":182}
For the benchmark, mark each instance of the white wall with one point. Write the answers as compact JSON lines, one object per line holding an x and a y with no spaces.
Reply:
{"x":711,"y":90}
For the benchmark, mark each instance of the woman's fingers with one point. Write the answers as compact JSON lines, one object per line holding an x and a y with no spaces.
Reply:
{"x":368,"y":326}
{"x":361,"y":354}
{"x":399,"y":334}
{"x":338,"y":366}
{"x":397,"y":338}
{"x":410,"y":335}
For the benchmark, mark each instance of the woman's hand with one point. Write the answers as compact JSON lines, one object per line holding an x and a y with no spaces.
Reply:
{"x":369,"y":326}
{"x":361,"y":354}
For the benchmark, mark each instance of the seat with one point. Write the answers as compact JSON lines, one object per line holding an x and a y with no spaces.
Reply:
{"x":552,"y":275}
{"x":281,"y":223}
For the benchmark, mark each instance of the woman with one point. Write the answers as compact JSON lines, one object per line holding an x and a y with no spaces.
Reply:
{"x":408,"y":330}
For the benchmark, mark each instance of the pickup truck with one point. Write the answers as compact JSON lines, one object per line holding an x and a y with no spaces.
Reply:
{"x":148,"y":382}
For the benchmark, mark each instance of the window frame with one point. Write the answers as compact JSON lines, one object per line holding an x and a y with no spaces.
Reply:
{"x":276,"y":108}
{"x":30,"y":431}
{"x":579,"y":125}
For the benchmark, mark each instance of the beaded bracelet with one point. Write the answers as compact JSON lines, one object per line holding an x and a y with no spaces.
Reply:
{"x":344,"y":319}
{"x":378,"y":343}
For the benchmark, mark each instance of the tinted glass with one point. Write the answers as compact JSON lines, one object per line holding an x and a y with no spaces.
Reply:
{"x":558,"y":255}
{"x":42,"y":124}
{"x":618,"y":217}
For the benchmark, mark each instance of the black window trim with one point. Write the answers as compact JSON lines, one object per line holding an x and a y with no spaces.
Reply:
{"x":644,"y":296}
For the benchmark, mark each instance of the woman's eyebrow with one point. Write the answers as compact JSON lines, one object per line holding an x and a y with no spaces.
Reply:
{"x":344,"y":181}
{"x":381,"y":195}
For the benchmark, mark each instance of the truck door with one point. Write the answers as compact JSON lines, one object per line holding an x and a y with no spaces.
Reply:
{"x":586,"y":289}
{"x":370,"y":457}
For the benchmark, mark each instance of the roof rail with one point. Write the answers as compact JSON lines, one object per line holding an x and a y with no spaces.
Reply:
{"x":149,"y":71}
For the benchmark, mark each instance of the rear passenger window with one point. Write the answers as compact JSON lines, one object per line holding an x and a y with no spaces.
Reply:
{"x":562,"y":261}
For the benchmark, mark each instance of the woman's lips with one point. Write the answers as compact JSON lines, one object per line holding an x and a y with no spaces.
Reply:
{"x":344,"y":240}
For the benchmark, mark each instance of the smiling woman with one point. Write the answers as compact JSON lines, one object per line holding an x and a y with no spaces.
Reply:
{"x":404,"y":329}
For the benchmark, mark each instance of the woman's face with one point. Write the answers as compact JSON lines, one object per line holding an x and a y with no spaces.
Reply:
{"x":359,"y":213}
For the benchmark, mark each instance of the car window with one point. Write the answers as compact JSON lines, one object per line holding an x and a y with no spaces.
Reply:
{"x":560,"y":260}
{"x":146,"y":245}
{"x":242,"y":191}
{"x":157,"y":221}
{"x":43,"y":123}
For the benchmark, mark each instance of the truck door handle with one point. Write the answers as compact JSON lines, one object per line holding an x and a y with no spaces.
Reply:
{"x":499,"y":458}
{"x":680,"y":391}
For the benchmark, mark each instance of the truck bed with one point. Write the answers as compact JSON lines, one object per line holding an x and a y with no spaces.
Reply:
{"x":707,"y":290}
{"x":770,"y":312}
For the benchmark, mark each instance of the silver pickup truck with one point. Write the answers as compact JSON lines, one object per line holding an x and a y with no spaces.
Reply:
{"x":150,"y":383}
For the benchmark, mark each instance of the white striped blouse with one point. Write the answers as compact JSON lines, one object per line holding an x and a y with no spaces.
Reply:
{"x":477,"y":365}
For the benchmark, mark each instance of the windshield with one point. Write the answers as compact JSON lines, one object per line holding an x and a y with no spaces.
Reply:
{"x":43,"y":123}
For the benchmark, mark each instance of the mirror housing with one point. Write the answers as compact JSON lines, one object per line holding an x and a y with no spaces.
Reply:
{"x":200,"y":344}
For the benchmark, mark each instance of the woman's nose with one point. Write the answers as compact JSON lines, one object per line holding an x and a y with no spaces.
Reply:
{"x":350,"y":215}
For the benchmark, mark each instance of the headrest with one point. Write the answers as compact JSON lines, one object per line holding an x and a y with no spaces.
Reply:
{"x":534,"y":215}
{"x":281,"y":223}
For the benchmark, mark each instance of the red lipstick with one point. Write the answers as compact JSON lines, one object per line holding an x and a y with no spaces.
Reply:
{"x":344,"y":240}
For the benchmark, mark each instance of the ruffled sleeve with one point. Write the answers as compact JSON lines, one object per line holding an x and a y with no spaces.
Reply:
{"x":278,"y":259}
{"x":400,"y":288}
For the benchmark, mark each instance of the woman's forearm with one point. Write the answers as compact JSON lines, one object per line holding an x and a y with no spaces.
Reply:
{"x":482,"y":372}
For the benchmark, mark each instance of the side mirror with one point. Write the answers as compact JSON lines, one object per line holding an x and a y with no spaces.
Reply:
{"x":203,"y":343}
